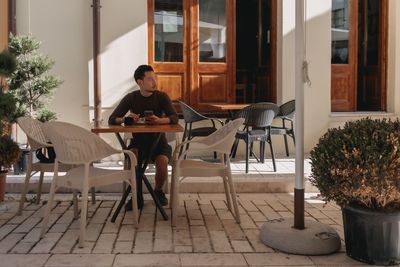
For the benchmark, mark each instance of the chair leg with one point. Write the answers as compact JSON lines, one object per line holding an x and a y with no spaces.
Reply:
{"x":48,"y":207}
{"x":286,"y":145}
{"x":82,"y":227}
{"x":233,"y":195}
{"x":93,"y":193}
{"x":262,"y":151}
{"x":24,"y":190}
{"x":272,"y":153}
{"x":134,"y":201}
{"x":234,"y":148}
{"x":247,"y":155}
{"x":227,"y":193}
{"x":75,"y":203}
{"x":175,"y":202}
{"x":172,"y":189}
{"x":39,"y":190}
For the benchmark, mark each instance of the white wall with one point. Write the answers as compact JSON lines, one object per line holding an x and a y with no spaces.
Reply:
{"x":64,"y":28}
{"x":318,"y":37}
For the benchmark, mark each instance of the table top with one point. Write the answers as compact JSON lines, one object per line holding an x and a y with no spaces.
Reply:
{"x":139,"y":128}
{"x":228,"y":106}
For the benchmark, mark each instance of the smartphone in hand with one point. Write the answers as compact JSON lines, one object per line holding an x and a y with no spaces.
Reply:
{"x":148,"y":113}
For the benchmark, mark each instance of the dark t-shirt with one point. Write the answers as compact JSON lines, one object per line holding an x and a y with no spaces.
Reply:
{"x":161,"y":105}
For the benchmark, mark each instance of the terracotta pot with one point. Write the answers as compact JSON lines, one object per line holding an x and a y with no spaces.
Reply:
{"x":3,"y":176}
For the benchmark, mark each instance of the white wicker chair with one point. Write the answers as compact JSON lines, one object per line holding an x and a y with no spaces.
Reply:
{"x":36,"y":139}
{"x":220,"y":141}
{"x":78,"y":146}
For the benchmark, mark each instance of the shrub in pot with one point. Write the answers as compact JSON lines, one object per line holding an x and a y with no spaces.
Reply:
{"x":358,"y":167}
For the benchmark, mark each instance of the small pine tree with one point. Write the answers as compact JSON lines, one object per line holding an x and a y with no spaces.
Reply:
{"x":31,"y":82}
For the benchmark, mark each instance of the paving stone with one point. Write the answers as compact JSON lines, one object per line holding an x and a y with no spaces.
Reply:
{"x":233,"y":230}
{"x":93,"y":231}
{"x":207,"y":209}
{"x":27,"y":225}
{"x":198,"y":231}
{"x":257,"y":216}
{"x":85,"y":250}
{"x":182,"y":249}
{"x":123,"y":247}
{"x":60,"y":260}
{"x":337,"y":259}
{"x":220,"y":241}
{"x":123,"y":260}
{"x":162,"y":245}
{"x":105,"y":243}
{"x":248,"y":205}
{"x":213,"y":223}
{"x":219,"y":204}
{"x":276,"y":259}
{"x":6,"y":229}
{"x":15,"y":260}
{"x":126,"y":233}
{"x":143,"y":242}
{"x":209,"y":259}
{"x":181,"y":238}
{"x":19,"y":219}
{"x":241,"y":246}
{"x":246,"y":222}
{"x":201,"y":244}
{"x":22,"y":248}
{"x":47,"y":243}
{"x":101,"y":215}
{"x":67,"y":242}
{"x":32,"y":236}
{"x":9,"y":241}
{"x":58,"y":228}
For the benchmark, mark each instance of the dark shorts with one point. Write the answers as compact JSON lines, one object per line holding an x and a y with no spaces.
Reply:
{"x":144,"y":142}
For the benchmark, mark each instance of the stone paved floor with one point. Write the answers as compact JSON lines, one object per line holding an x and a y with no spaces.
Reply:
{"x":206,"y":234}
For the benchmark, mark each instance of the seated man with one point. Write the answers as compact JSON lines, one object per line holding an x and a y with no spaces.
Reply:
{"x":148,"y":98}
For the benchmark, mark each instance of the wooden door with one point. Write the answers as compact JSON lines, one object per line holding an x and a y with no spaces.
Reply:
{"x":168,"y":46}
{"x":211,"y":52}
{"x":3,"y":24}
{"x":190,"y":48}
{"x":344,"y":55}
{"x":371,"y":55}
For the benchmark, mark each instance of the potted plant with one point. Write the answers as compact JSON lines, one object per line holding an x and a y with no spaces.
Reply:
{"x":358,"y":167}
{"x":9,"y":150}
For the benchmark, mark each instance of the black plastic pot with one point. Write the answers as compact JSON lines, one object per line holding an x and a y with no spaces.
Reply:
{"x":372,"y":237}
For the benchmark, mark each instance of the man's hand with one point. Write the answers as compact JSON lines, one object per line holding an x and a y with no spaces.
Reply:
{"x":153,"y":119}
{"x":134,"y":116}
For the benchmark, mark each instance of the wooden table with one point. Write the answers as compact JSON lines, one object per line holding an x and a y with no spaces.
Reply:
{"x":230,"y":108}
{"x":142,"y":163}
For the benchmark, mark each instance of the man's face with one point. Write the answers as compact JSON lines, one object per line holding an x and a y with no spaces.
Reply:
{"x":149,"y":81}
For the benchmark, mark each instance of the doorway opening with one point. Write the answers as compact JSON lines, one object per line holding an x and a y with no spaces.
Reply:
{"x":255,"y":51}
{"x":369,"y":87}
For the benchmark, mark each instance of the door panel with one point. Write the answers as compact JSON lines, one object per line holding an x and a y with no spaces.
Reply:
{"x":167,"y":34}
{"x":172,"y":84}
{"x":212,"y":88}
{"x":211,"y":60}
{"x":344,"y":54}
{"x":3,"y":24}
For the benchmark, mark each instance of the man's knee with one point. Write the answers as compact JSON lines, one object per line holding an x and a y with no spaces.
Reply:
{"x":161,"y":161}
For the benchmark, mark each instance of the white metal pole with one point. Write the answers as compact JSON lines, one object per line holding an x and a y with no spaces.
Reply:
{"x":299,"y":118}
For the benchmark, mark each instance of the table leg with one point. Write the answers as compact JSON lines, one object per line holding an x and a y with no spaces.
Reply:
{"x":140,"y":176}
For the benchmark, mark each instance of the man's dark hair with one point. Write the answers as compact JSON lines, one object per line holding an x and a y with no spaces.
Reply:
{"x":140,"y":71}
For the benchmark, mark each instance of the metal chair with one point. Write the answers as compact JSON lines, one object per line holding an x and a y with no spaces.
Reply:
{"x":191,"y":116}
{"x":286,"y":113}
{"x":36,"y":140}
{"x":258,"y":120}
{"x":77,"y":146}
{"x":220,"y":141}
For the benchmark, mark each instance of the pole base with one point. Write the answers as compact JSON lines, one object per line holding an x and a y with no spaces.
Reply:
{"x":314,"y":239}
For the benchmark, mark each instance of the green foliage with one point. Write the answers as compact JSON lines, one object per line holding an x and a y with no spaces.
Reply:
{"x":31,"y":82}
{"x":359,"y":164}
{"x":9,"y":152}
{"x":7,"y":63}
{"x":45,"y":115}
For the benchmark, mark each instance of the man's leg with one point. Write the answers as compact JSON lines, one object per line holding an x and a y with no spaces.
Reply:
{"x":161,"y":162}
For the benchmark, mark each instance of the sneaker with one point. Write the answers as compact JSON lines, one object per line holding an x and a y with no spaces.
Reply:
{"x":161,"y":197}
{"x":140,"y":204}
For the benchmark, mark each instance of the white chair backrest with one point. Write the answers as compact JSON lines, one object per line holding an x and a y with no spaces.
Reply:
{"x":33,"y":130}
{"x":76,"y":145}
{"x":222,"y":139}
